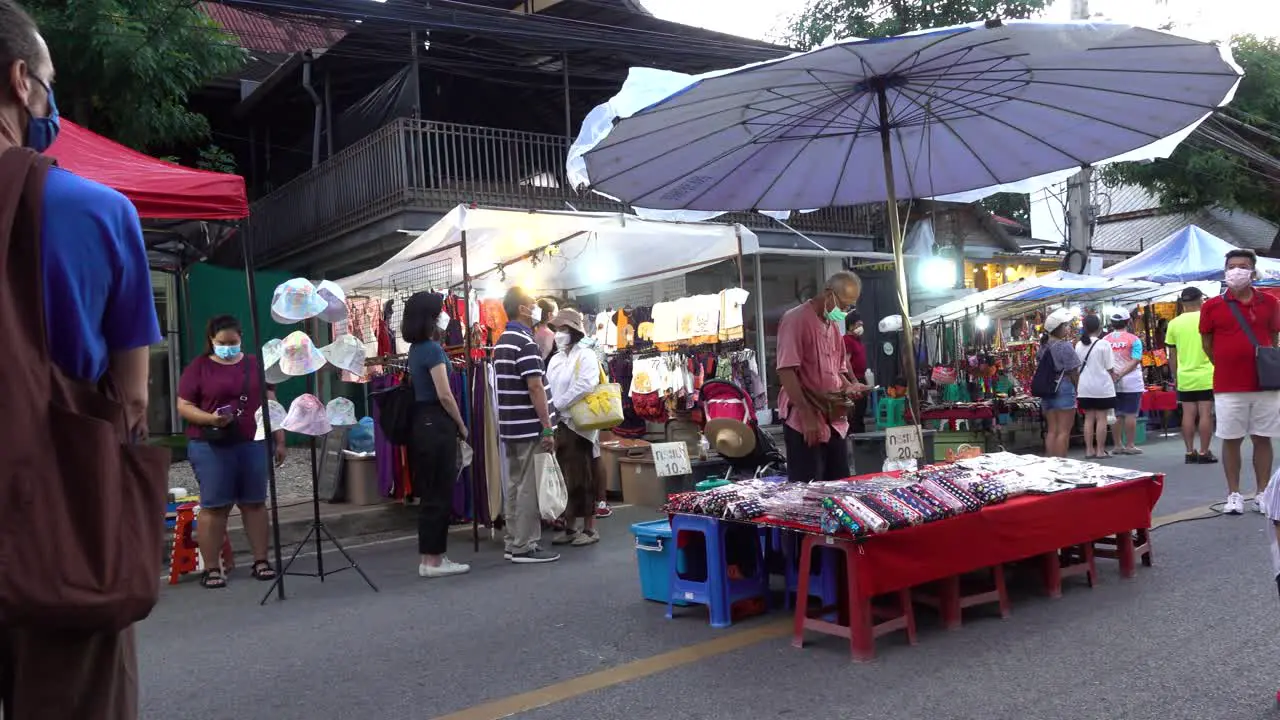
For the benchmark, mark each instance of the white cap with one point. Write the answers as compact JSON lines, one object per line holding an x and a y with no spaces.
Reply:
{"x":1057,"y":319}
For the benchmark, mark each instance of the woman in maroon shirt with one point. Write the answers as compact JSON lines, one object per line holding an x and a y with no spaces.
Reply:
{"x":857,"y":352}
{"x":219,"y":394}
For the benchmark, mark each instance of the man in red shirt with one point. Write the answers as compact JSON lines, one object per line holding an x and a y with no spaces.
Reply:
{"x":857,"y":352}
{"x":816,"y":387}
{"x":1241,"y":406}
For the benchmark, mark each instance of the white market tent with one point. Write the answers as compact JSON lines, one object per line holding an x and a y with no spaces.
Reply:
{"x":1189,"y":254}
{"x":552,"y":251}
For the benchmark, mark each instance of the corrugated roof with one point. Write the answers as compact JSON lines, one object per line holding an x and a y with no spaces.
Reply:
{"x":264,"y":33}
{"x":1131,"y":235}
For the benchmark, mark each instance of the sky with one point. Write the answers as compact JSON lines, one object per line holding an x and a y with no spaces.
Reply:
{"x":1199,"y":19}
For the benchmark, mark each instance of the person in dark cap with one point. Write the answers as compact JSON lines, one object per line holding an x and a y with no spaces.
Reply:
{"x":857,"y":352}
{"x":1193,"y":376}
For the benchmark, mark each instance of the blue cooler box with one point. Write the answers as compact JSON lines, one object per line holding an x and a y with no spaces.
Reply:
{"x":654,"y":546}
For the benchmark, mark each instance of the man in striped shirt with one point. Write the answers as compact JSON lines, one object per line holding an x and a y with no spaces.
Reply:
{"x":525,"y":425}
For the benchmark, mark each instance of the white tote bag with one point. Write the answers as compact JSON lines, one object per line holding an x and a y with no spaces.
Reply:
{"x":553,"y":497}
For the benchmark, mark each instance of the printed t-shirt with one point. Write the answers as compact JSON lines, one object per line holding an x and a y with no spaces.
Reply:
{"x":731,"y":304}
{"x":1235,"y":365}
{"x":1126,"y":347}
{"x":423,"y":357}
{"x":665,"y":325}
{"x":705,"y":326}
{"x":1097,"y":360}
{"x":812,"y":347}
{"x":209,"y":385}
{"x":98,"y":298}
{"x":515,"y":360}
{"x":1195,"y":372}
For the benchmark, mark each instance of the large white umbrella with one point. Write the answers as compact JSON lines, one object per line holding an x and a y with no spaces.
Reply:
{"x":920,"y":115}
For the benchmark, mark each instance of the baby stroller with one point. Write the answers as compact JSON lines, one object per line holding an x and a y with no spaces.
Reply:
{"x":732,"y":429}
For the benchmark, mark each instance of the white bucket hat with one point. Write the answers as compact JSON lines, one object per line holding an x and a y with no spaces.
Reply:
{"x":277,"y":419}
{"x":345,"y":353}
{"x":307,"y":416}
{"x":336,"y":300}
{"x":272,"y":353}
{"x":296,"y":300}
{"x":341,"y":412}
{"x":300,"y":355}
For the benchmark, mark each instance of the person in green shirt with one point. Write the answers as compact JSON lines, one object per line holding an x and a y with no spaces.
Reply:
{"x":1193,"y":373}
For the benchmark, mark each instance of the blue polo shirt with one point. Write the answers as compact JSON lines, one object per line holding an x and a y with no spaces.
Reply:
{"x":97,"y":280}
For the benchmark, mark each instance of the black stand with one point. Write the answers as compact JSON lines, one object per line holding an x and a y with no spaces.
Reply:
{"x":318,"y":529}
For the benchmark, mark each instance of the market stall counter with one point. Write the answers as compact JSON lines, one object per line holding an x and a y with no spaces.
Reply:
{"x":911,"y":536}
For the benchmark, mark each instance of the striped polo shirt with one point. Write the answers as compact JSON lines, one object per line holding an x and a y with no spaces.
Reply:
{"x":516,"y":358}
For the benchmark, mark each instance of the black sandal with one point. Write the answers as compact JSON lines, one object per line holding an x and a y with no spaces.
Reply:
{"x":212,"y":580}
{"x":263,"y":571}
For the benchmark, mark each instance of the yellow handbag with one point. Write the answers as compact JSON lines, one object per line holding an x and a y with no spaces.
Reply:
{"x":600,"y":409}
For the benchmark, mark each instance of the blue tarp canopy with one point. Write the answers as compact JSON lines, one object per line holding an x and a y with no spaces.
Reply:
{"x":1188,"y":255}
{"x":1058,"y":287}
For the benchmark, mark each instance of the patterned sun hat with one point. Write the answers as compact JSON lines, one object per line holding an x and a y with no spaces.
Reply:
{"x":296,"y":300}
{"x":307,"y":416}
{"x":345,"y":353}
{"x":300,"y":355}
{"x":335,"y":299}
{"x":341,"y":412}
{"x":277,"y":419}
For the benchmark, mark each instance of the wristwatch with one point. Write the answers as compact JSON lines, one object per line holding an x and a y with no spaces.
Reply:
{"x":548,"y":432}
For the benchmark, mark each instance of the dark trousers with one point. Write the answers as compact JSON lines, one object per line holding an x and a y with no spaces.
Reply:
{"x":435,"y":469}
{"x":858,"y":415}
{"x":828,"y":461}
{"x":64,"y":675}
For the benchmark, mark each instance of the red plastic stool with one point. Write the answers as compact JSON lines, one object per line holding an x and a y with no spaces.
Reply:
{"x":1127,"y":547}
{"x":950,"y":600}
{"x":184,"y":558}
{"x":856,"y":617}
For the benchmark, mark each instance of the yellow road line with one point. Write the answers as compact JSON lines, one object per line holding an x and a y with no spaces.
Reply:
{"x":575,"y":687}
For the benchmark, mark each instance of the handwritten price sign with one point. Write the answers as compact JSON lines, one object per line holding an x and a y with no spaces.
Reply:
{"x":671,"y":459}
{"x":903,"y":443}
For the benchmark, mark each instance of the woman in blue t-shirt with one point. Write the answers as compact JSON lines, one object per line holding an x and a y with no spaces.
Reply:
{"x":437,"y":427}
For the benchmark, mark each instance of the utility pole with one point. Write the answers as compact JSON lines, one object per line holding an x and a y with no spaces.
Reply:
{"x":1079,"y":195}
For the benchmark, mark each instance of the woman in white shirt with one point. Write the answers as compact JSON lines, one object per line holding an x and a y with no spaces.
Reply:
{"x":1096,"y":395}
{"x":574,"y":371}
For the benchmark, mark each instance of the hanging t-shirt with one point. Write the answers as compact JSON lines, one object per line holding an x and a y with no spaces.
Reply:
{"x":686,"y":310}
{"x":649,"y":375}
{"x":1127,"y":346}
{"x":664,"y":324}
{"x":705,"y":325}
{"x":606,"y":333}
{"x":731,"y":323}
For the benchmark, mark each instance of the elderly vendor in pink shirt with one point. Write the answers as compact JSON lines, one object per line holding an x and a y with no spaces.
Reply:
{"x":817,"y":388}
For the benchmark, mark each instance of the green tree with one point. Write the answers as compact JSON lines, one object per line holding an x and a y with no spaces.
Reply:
{"x":822,"y":19}
{"x":126,"y":67}
{"x":1201,"y":172}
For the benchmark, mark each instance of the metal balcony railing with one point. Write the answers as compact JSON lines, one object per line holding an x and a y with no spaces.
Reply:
{"x":427,"y":165}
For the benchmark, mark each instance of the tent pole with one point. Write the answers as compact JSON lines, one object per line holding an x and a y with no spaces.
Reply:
{"x":742,"y":275}
{"x":250,"y":281}
{"x":760,"y":345}
{"x":466,"y":344}
{"x":891,"y":209}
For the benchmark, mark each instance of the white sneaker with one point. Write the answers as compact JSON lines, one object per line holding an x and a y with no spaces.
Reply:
{"x":446,"y":568}
{"x":1257,"y":504}
{"x":1235,"y":504}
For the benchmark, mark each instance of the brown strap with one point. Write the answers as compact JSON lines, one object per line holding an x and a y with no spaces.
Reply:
{"x":22,"y":179}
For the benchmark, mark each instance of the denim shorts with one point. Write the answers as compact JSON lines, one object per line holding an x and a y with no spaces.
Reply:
{"x":1127,"y":403}
{"x":230,"y":474}
{"x":1064,"y":400}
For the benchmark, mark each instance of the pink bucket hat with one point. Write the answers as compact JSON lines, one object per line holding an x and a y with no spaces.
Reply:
{"x":300,"y":355}
{"x":307,"y":416}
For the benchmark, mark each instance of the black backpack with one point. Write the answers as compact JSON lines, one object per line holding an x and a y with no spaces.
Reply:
{"x":395,"y":412}
{"x":1044,"y":384}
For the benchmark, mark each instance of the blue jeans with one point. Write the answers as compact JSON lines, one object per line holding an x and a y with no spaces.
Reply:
{"x":230,"y":474}
{"x":1064,"y":400}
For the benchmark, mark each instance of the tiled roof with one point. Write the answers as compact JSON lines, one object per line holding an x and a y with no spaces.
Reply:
{"x":263,"y":33}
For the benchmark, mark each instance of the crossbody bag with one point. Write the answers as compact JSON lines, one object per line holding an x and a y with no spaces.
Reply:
{"x":1268,"y":358}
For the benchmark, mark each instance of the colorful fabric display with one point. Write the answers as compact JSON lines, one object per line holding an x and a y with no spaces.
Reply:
{"x":944,"y":496}
{"x":990,"y":492}
{"x":865,"y":515}
{"x":835,"y":509}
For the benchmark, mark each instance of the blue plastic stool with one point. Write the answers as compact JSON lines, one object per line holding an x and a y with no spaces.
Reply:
{"x":824,"y":577}
{"x":717,"y":591}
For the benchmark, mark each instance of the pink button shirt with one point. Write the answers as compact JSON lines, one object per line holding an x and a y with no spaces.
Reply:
{"x":814,"y":349}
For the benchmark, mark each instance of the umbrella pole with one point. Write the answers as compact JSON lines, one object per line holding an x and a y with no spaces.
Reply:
{"x":900,"y":265}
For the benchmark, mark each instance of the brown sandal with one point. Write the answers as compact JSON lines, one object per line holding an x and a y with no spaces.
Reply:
{"x":213,"y":580}
{"x":263,"y":571}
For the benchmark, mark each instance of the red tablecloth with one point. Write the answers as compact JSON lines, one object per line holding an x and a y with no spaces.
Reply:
{"x":1020,"y":528}
{"x":1159,"y":401}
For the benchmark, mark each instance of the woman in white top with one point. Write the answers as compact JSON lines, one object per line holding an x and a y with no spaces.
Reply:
{"x":574,"y":371}
{"x":1096,"y":395}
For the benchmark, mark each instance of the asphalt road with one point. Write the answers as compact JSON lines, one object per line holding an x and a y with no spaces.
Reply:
{"x":1189,"y":638}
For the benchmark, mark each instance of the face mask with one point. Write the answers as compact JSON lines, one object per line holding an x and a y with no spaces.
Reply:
{"x":536,"y":314}
{"x":563,"y":340}
{"x":858,"y":331}
{"x":226,"y":352}
{"x":442,"y":321}
{"x":42,"y":131}
{"x":1239,"y":278}
{"x":835,"y":314}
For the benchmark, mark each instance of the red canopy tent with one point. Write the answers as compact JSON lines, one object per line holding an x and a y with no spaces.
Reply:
{"x":158,"y":189}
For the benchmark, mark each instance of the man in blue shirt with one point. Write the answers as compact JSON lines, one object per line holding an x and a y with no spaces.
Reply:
{"x":101,"y":317}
